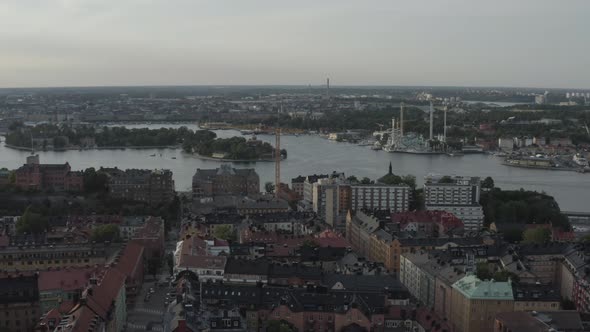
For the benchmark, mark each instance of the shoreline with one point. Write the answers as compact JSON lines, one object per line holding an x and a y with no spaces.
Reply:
{"x":562,"y":169}
{"x":230,"y":160}
{"x":22,"y":148}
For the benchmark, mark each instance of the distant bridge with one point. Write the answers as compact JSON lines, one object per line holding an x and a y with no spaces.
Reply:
{"x":578,"y":217}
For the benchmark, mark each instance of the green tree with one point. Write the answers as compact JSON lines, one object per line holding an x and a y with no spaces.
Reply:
{"x":224,"y":232}
{"x":513,"y":235}
{"x":487,"y":183}
{"x":279,"y":326}
{"x":366,"y":180}
{"x":60,"y":142}
{"x":269,"y":187}
{"x":483,"y":271}
{"x":31,"y":223}
{"x":12,"y":177}
{"x":537,"y":235}
{"x":309,"y":243}
{"x":95,"y":181}
{"x":505,"y":275}
{"x":108,"y":232}
{"x":352,"y":179}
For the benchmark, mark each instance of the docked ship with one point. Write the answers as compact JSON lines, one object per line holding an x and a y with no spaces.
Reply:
{"x":471,"y":149}
{"x":580,"y":160}
{"x":215,"y":125}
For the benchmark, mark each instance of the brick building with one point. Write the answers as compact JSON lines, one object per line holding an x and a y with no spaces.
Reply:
{"x":57,"y":177}
{"x":19,"y":303}
{"x":225,"y":181}
{"x":142,"y":185}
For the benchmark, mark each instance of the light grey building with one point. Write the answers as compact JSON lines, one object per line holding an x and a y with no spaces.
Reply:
{"x":458,"y":195}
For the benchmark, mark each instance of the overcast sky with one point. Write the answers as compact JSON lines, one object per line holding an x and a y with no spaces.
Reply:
{"x":530,"y":43}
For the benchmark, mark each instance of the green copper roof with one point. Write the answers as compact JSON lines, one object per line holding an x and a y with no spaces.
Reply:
{"x":474,"y":288}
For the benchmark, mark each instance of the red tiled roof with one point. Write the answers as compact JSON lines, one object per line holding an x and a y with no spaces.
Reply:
{"x":329,"y":238}
{"x":83,"y":318}
{"x":67,"y":279}
{"x":202,"y":262}
{"x":150,"y":229}
{"x":559,"y":235}
{"x":130,"y":259}
{"x":106,"y":292}
{"x":445,"y":219}
{"x":52,"y":317}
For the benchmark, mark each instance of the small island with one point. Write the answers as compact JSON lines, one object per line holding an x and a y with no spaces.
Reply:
{"x":204,"y":143}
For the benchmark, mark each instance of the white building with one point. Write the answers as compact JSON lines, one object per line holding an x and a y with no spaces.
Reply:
{"x":458,"y":195}
{"x":420,"y":283}
{"x":506,"y":143}
{"x":380,"y":197}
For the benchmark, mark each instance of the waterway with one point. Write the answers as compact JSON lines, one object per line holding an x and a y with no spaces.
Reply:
{"x":308,"y":154}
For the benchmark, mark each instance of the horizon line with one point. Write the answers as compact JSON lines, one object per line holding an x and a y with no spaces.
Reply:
{"x":283,"y":86}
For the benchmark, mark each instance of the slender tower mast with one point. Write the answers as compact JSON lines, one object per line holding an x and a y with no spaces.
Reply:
{"x":445,"y":124}
{"x":401,"y":119}
{"x":431,"y":118}
{"x":278,"y":156}
{"x":327,"y":88}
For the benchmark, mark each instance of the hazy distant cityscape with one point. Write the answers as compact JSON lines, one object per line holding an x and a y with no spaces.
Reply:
{"x":263,"y":166}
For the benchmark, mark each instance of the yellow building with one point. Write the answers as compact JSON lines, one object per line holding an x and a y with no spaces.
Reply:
{"x":475,"y":303}
{"x":33,"y":258}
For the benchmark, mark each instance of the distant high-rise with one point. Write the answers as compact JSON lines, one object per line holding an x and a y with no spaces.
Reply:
{"x":327,"y":87}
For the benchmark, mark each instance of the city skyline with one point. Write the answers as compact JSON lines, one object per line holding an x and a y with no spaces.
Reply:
{"x":379,"y":43}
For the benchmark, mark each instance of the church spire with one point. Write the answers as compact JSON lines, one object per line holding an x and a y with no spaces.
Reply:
{"x":390,"y":169}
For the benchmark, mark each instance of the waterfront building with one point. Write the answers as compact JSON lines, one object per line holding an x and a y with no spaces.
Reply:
{"x":56,"y":177}
{"x":297,"y":185}
{"x":506,"y":144}
{"x":395,"y":198}
{"x":308,"y":186}
{"x":141,"y":185}
{"x":225,"y":180}
{"x":331,"y":200}
{"x":19,"y":299}
{"x":476,"y":303}
{"x":458,"y":195}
